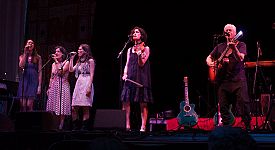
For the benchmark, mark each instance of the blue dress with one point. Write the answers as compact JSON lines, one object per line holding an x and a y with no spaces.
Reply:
{"x":141,"y":74}
{"x":30,"y":78}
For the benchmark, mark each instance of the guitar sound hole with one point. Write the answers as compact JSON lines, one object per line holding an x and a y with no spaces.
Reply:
{"x":187,"y":108}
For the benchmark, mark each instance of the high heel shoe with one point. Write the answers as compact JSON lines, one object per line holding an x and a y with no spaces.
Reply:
{"x":142,"y":129}
{"x":128,"y":128}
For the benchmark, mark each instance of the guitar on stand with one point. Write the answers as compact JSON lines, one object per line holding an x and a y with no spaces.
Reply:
{"x":187,"y":116}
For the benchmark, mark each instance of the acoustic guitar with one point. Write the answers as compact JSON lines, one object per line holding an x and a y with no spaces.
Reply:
{"x":187,"y":116}
{"x":218,"y":118}
{"x":218,"y":63}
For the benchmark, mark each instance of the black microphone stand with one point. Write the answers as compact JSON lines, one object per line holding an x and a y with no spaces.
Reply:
{"x":216,"y":115}
{"x":266,"y":123}
{"x":22,"y":87}
{"x":43,"y":95}
{"x":23,"y":107}
{"x":45,"y":64}
{"x":60,"y":83}
{"x":121,"y":69}
{"x":256,"y":100}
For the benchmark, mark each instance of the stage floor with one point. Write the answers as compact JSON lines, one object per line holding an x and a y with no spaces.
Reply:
{"x":134,"y":140}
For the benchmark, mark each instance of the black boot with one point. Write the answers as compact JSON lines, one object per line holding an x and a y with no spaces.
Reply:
{"x":85,"y":125}
{"x":75,"y":125}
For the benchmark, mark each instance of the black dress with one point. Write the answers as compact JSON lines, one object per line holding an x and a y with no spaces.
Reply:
{"x":141,"y":74}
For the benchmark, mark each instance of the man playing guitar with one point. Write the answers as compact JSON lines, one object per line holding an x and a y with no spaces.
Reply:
{"x":227,"y":60}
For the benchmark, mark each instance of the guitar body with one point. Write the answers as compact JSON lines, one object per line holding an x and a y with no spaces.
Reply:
{"x":218,"y":118}
{"x":218,"y":63}
{"x":187,"y":116}
{"x":212,"y":74}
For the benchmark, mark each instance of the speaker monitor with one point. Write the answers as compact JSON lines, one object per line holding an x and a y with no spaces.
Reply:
{"x":110,"y":119}
{"x":6,"y":124}
{"x":36,"y":121}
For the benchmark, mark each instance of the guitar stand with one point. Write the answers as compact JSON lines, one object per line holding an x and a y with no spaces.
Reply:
{"x":266,"y":125}
{"x":258,"y":112}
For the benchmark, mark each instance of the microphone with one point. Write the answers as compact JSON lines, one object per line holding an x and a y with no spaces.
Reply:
{"x":259,"y":49}
{"x":73,"y":53}
{"x":226,"y":34}
{"x":221,"y":35}
{"x":130,"y":35}
{"x":27,"y":47}
{"x":52,"y":55}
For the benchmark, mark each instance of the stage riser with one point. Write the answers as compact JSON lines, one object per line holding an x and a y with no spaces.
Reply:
{"x":208,"y":123}
{"x":110,"y":119}
{"x":39,"y":121}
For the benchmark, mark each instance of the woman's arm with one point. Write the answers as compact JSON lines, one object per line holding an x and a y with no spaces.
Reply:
{"x":143,"y":57}
{"x":39,"y":74}
{"x":22,"y":61}
{"x":71,"y":63}
{"x":126,"y":65}
{"x":92,"y":70}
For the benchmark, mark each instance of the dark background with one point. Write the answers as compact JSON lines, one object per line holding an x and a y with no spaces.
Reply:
{"x":180,"y":35}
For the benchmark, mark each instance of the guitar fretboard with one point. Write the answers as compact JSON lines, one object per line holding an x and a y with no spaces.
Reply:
{"x":186,"y":90}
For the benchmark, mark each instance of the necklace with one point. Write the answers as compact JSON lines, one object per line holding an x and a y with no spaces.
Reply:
{"x":29,"y":58}
{"x":82,"y":59}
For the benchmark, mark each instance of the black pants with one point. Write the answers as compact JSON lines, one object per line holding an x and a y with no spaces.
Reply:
{"x":230,"y":93}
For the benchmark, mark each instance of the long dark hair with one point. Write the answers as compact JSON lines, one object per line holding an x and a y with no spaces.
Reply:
{"x":63,"y":50}
{"x":87,"y":55}
{"x":35,"y":56}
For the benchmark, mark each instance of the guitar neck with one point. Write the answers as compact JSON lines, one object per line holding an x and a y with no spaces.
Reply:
{"x":222,"y":55}
{"x":186,"y":95}
{"x":237,"y":36}
{"x":186,"y":90}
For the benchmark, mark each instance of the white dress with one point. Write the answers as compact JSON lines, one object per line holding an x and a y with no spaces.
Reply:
{"x":82,"y":74}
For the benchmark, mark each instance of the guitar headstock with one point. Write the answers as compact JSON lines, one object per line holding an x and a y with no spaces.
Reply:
{"x":238,"y":36}
{"x":185,"y":80}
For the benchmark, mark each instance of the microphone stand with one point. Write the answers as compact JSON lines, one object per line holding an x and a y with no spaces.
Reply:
{"x":45,"y":64}
{"x":23,"y":89}
{"x":43,"y":95}
{"x":121,"y":69}
{"x":266,"y":123}
{"x":254,"y":87}
{"x":215,"y":42}
{"x":60,"y":83}
{"x":22,"y":92}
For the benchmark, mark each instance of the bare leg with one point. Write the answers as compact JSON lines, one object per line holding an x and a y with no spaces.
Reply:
{"x":30,"y":104}
{"x":61,"y":123}
{"x":75,"y":117}
{"x":144,"y":114}
{"x":126,"y":107}
{"x":75,"y":113}
{"x":86,"y":112}
{"x":86,"y":117}
{"x":23,"y":105}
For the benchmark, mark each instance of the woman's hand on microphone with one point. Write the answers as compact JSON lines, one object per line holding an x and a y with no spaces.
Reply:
{"x":72,"y":54}
{"x":26,"y":49}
